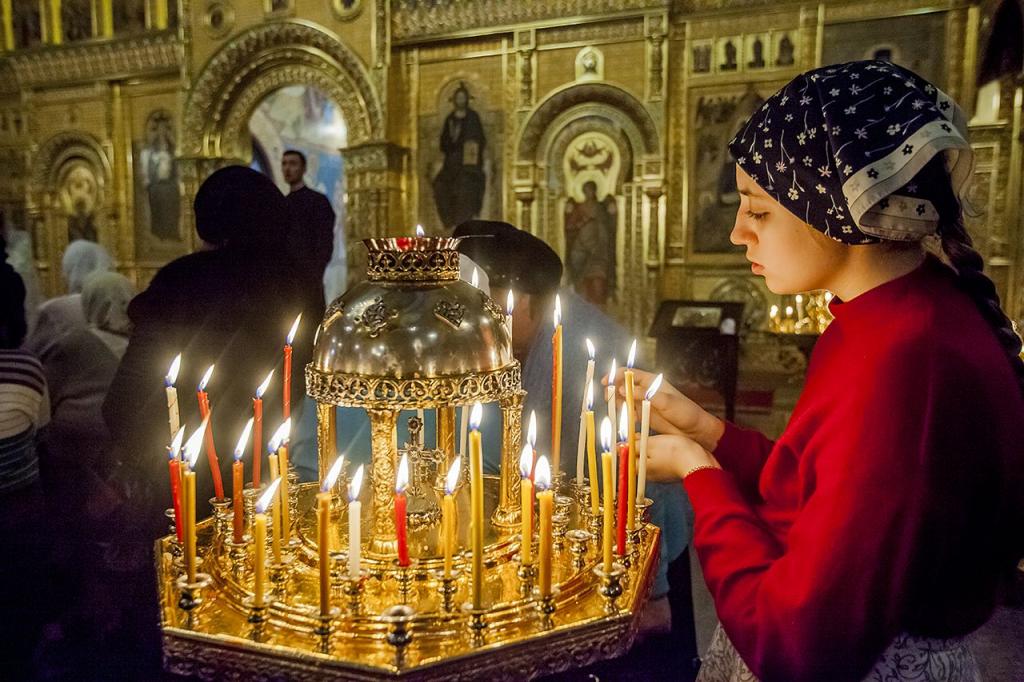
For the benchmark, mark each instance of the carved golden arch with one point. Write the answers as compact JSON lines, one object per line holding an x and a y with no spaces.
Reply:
{"x":262,"y":60}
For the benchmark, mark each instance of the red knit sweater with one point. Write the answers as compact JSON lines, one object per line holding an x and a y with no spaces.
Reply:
{"x":891,"y":503}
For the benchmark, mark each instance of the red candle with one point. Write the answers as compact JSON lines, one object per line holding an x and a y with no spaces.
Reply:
{"x":211,"y":451}
{"x":287,"y":391}
{"x":623,"y":497}
{"x":174,"y":472}
{"x":238,"y":485}
{"x":401,"y":482}
{"x":257,"y":441}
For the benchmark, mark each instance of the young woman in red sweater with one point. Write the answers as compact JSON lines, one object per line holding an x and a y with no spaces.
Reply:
{"x":872,"y":536}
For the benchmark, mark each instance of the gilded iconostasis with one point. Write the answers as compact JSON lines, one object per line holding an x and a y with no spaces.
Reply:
{"x":599,"y":125}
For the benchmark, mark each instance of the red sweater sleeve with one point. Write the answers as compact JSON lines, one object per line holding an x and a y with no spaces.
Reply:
{"x":742,"y":452}
{"x":827,"y":603}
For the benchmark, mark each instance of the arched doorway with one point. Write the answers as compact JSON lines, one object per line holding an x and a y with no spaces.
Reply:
{"x":303,"y":118}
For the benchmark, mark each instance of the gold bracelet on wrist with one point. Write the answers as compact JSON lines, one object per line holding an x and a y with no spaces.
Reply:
{"x":699,"y":468}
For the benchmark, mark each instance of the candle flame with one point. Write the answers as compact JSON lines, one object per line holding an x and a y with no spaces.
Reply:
{"x":475,"y":416}
{"x":291,"y":333}
{"x":606,"y":435}
{"x":332,"y":474}
{"x":267,"y":498}
{"x":402,"y":477}
{"x":558,"y":311}
{"x":419,"y":231}
{"x":590,"y":396}
{"x":611,"y":374}
{"x":172,"y":372}
{"x":175,"y":448}
{"x":655,"y":385}
{"x":789,"y":310}
{"x":542,"y":475}
{"x":774,"y":311}
{"x":799,"y":298}
{"x":451,"y":481}
{"x":263,"y":387}
{"x":590,"y":348}
{"x":280,"y":436}
{"x":525,"y":462}
{"x":206,"y":378}
{"x":531,"y":430}
{"x":632,"y":355}
{"x":356,"y":485}
{"x":510,"y":303}
{"x":474,"y":279}
{"x":195,"y":444}
{"x":243,"y":440}
{"x":623,"y":425}
{"x":828,"y":296}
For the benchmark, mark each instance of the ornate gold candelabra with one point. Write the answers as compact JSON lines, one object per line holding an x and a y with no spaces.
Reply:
{"x":413,"y":336}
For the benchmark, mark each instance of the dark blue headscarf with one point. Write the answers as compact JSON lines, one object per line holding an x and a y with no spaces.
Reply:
{"x":840,"y":146}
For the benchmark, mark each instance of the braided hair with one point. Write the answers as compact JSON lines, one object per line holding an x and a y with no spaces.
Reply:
{"x":961,"y":256}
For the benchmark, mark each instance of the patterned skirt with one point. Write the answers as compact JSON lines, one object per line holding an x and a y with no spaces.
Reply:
{"x":908,"y":659}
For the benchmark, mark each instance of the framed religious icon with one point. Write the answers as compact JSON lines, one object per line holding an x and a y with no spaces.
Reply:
{"x":784,"y":49}
{"x":729,"y":54}
{"x":915,"y":41}
{"x":757,"y":51}
{"x":701,"y":55}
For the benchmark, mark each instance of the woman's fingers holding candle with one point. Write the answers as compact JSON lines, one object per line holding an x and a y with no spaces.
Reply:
{"x":670,"y":457}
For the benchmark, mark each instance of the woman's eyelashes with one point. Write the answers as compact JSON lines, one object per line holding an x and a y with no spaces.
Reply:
{"x":757,"y":216}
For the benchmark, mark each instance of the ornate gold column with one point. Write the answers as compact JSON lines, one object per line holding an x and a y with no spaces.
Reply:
{"x":326,"y":437}
{"x":7,"y":17}
{"x":160,"y":14}
{"x":373,"y":174}
{"x":104,"y":21}
{"x":53,"y":31}
{"x":508,"y":512}
{"x":382,"y":479}
{"x":446,"y":432}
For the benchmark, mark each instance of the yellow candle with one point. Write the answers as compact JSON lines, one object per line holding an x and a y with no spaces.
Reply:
{"x":323,"y":520}
{"x":556,"y":389}
{"x":476,"y":485}
{"x":279,"y":443}
{"x":448,"y":515}
{"x":192,"y":448}
{"x":645,"y":433}
{"x":631,"y":437}
{"x":595,"y":504}
{"x":607,"y":484}
{"x":259,"y":535}
{"x":275,"y":512}
{"x":545,"y":504}
{"x":588,"y":404}
{"x":526,"y":485}
{"x":612,"y":398}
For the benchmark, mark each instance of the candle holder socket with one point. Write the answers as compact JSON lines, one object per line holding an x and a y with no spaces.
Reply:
{"x":547,"y":607}
{"x":559,"y":527}
{"x":325,"y":625}
{"x":447,"y":587}
{"x":279,"y":572}
{"x":578,"y":541}
{"x":399,"y":619}
{"x":191,"y":595}
{"x":352,"y":588}
{"x":477,"y":623}
{"x":527,"y":573}
{"x":580,"y":492}
{"x":238,"y":554}
{"x":404,"y":575}
{"x":643,"y":511}
{"x":221,"y":516}
{"x":611,"y":585}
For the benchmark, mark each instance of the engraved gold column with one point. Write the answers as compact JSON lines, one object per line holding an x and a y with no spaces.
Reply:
{"x":382,"y":479}
{"x":508,"y":512}
{"x":446,"y":432}
{"x":326,"y":437}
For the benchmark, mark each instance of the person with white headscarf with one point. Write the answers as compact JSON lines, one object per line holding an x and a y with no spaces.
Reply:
{"x":62,"y":314}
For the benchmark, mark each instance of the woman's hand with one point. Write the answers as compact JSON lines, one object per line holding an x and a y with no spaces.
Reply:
{"x":671,"y":411}
{"x":669,"y":457}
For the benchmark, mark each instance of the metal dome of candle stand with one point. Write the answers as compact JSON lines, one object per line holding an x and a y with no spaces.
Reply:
{"x":412,"y":336}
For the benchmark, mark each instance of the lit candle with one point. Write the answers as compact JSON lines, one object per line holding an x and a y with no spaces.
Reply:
{"x":630,"y":381}
{"x":623,"y":495}
{"x":510,"y":306}
{"x":773,"y":316}
{"x":172,"y":395}
{"x":257,"y":441}
{"x":531,"y":439}
{"x":354,"y":523}
{"x":419,"y":230}
{"x":192,"y":448}
{"x":286,"y":403}
{"x":545,"y":503}
{"x":592,"y":451}
{"x":799,"y":307}
{"x":463,"y":428}
{"x":211,"y":451}
{"x":275,"y":509}
{"x":401,"y":507}
{"x":279,"y":444}
{"x":451,"y":482}
{"x":476,"y":488}
{"x":556,"y":389}
{"x":608,"y":482}
{"x":238,"y":483}
{"x":611,"y":397}
{"x":323,"y":520}
{"x":645,"y":433}
{"x":526,"y":493}
{"x":174,"y":471}
{"x":581,"y":441}
{"x":259,"y":535}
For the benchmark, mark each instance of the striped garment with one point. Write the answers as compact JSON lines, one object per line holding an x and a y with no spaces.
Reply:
{"x":24,"y":408}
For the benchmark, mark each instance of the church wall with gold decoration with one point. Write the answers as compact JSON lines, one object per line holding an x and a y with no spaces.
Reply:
{"x":614,"y":111}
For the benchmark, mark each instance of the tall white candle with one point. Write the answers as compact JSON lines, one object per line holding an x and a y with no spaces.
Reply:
{"x":173,"y":420}
{"x":354,"y":526}
{"x":581,"y":442}
{"x":645,"y":432}
{"x":510,"y":306}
